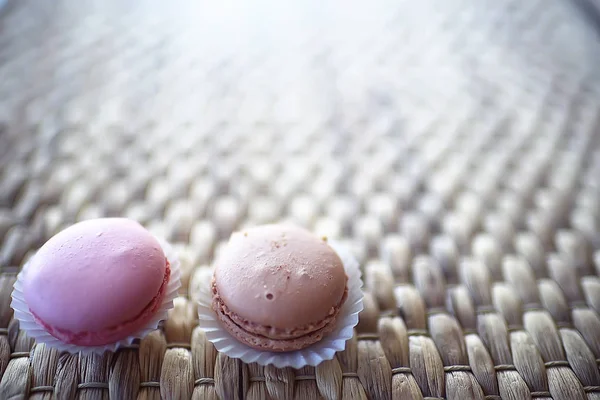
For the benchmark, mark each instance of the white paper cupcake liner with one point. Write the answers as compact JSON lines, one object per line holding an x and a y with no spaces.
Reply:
{"x":310,"y":356}
{"x":36,"y":331}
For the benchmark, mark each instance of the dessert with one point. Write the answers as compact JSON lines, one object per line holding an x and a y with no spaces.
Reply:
{"x":278,"y":288}
{"x":96,"y":282}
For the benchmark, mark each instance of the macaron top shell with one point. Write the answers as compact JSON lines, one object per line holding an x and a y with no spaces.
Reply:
{"x":94,"y":275}
{"x":280,"y":276}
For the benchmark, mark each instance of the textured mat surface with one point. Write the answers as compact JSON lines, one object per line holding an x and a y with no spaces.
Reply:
{"x":454,"y":146}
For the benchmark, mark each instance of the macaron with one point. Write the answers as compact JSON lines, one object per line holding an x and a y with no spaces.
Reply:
{"x":96,"y":282}
{"x":278,"y":288}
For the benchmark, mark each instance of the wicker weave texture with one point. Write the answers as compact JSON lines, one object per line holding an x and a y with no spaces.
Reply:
{"x":454,"y":146}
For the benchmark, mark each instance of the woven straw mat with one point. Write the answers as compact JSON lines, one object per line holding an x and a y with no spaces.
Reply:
{"x":453,"y":146}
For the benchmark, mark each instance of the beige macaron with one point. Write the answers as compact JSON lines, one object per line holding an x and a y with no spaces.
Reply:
{"x":278,"y":287}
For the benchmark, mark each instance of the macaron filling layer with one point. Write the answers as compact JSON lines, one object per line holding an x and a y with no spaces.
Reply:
{"x":112,"y":333}
{"x":270,"y":344}
{"x":271,"y":332}
{"x":274,"y":339}
{"x":274,"y":345}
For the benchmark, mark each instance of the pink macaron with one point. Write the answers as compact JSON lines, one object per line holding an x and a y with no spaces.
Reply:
{"x":97,"y":282}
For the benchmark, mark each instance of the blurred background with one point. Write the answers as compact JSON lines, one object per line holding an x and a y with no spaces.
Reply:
{"x":440,"y":121}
